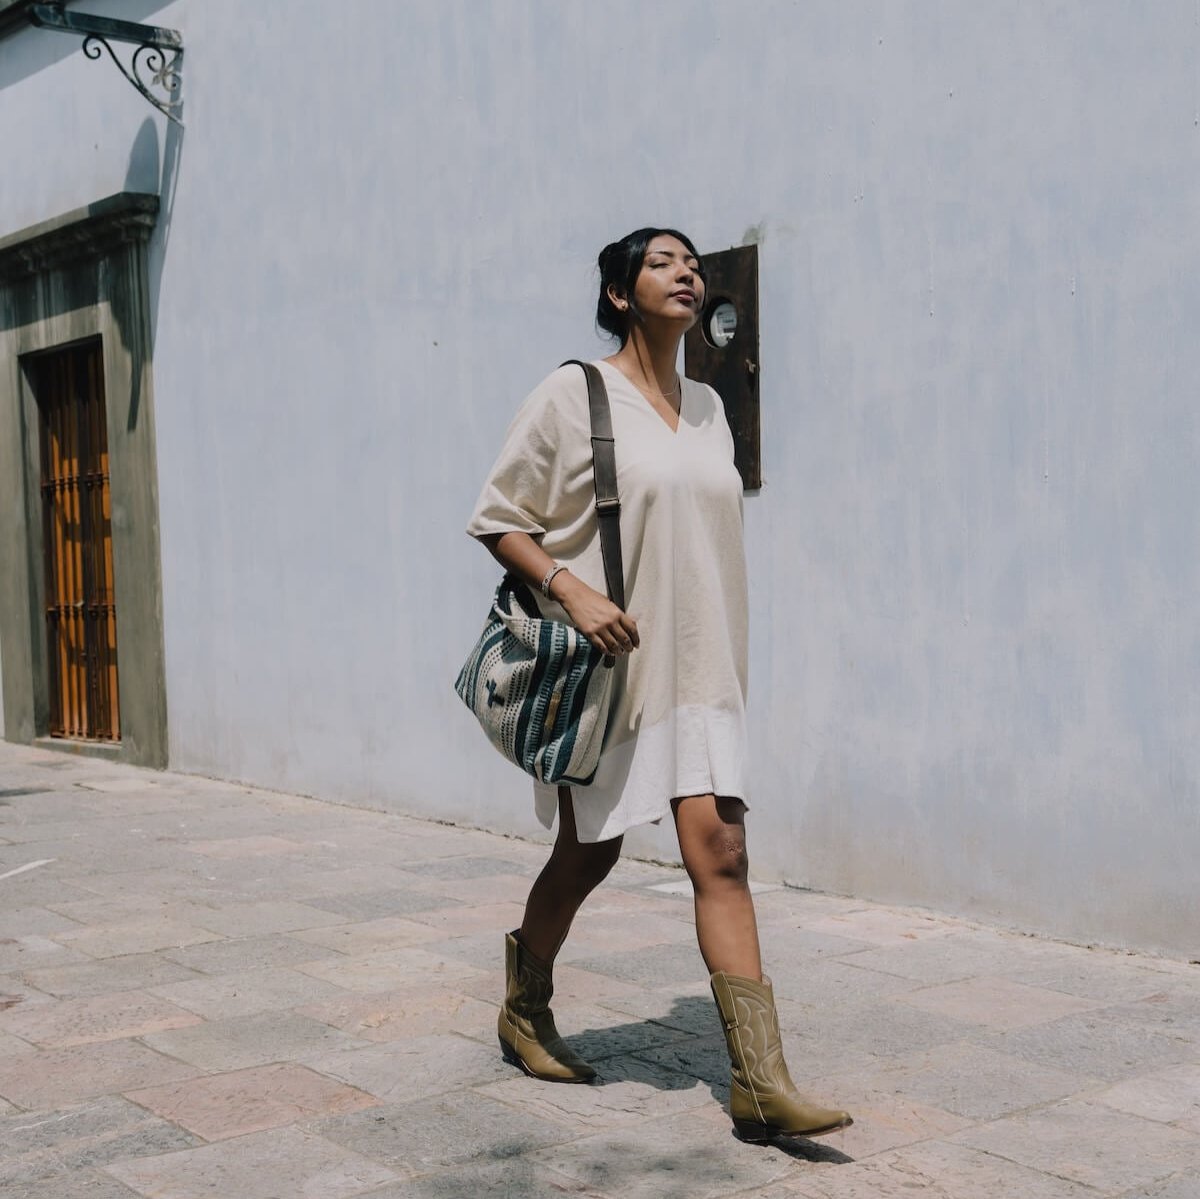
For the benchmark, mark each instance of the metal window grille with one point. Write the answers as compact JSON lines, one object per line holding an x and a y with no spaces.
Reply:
{"x":81,"y":615}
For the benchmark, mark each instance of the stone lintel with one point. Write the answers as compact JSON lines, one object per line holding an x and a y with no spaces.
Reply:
{"x":84,"y":233}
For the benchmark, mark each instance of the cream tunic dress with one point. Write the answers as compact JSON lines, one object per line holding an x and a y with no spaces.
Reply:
{"x":678,"y":720}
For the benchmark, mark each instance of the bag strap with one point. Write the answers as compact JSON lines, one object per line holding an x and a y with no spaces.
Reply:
{"x":604,"y":467}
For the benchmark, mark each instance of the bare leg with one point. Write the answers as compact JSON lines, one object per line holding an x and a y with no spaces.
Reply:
{"x":763,"y":1100}
{"x":712,"y":840}
{"x":571,"y":874}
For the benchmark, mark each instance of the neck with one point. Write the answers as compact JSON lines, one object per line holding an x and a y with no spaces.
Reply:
{"x":650,"y":359}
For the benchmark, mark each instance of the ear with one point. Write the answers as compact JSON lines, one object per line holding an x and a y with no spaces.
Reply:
{"x":618,"y":298}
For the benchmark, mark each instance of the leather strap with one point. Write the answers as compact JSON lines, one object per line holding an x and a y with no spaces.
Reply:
{"x":604,"y":467}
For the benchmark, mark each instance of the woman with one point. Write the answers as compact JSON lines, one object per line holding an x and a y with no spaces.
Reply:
{"x":675,"y":743}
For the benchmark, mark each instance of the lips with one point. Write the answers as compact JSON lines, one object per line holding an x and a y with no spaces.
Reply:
{"x":685,"y":295}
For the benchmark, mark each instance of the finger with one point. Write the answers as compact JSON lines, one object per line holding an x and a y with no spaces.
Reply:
{"x":604,"y":641}
{"x":612,"y":643}
{"x":631,"y":629}
{"x":620,"y":638}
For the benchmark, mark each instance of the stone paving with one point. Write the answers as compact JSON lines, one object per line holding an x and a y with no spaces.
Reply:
{"x":207,"y":990}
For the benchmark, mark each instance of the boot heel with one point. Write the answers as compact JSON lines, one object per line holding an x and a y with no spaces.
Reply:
{"x":752,"y":1132}
{"x":509,"y":1054}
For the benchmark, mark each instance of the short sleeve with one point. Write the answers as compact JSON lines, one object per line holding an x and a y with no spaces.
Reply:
{"x":541,"y":478}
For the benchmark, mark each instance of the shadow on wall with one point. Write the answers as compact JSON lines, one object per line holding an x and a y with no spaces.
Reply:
{"x":148,"y":171}
{"x":142,"y":174}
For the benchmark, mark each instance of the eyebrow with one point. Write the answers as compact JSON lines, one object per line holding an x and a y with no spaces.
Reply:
{"x":673,"y":254}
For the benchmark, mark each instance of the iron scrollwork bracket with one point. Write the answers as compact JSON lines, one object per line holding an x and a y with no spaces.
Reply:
{"x":149,"y":67}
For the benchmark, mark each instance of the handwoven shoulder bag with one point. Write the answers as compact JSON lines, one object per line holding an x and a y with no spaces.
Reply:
{"x":539,"y":688}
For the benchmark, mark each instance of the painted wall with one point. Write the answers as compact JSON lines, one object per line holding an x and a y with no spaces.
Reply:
{"x":974,"y":560}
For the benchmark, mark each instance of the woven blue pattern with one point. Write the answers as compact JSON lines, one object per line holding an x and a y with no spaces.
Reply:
{"x":539,"y":688}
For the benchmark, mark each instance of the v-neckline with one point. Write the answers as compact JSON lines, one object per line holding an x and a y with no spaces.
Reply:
{"x":641,"y":395}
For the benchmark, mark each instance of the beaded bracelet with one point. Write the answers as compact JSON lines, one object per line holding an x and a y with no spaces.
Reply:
{"x":550,"y":578}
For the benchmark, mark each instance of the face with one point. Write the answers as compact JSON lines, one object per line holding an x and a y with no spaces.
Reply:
{"x":669,"y":286}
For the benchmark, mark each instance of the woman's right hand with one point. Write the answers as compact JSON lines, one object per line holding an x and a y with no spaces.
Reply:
{"x":595,"y":615}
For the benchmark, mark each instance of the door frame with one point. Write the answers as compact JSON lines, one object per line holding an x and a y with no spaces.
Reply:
{"x":80,"y":276}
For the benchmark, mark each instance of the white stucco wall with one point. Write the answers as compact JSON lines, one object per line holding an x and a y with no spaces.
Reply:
{"x":974,"y":561}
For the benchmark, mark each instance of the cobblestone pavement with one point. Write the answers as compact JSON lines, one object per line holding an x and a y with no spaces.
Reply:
{"x":207,"y":991}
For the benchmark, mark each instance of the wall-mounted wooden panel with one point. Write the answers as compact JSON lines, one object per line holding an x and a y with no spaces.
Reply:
{"x":731,"y":277}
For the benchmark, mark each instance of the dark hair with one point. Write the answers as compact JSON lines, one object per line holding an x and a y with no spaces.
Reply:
{"x":620,"y":264}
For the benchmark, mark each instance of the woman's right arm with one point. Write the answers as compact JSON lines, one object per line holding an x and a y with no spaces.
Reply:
{"x":593,"y":614}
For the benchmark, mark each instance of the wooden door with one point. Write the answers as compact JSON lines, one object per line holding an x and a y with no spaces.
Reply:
{"x":81,"y":614}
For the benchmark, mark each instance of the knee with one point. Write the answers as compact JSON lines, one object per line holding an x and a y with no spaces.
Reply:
{"x":600,"y":861}
{"x":724,"y":862}
{"x":587,"y":866}
{"x":732,"y":861}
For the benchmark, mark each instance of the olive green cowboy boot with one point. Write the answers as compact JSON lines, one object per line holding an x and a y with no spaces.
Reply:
{"x":528,"y":1037}
{"x":763,"y":1100}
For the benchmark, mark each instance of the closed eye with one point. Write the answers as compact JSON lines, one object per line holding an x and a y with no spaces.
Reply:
{"x":692,"y":265}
